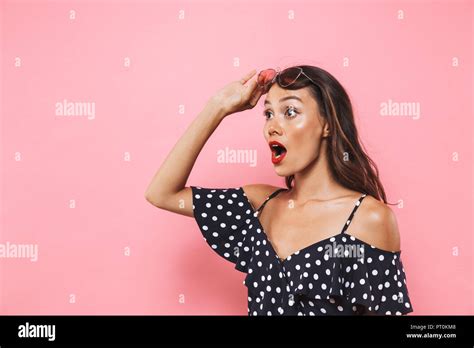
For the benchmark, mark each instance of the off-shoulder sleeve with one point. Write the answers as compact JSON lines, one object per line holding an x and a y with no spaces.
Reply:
{"x":374,"y":282}
{"x":222,"y":216}
{"x":380,"y":283}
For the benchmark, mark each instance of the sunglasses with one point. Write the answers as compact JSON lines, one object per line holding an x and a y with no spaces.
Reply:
{"x":285,"y":78}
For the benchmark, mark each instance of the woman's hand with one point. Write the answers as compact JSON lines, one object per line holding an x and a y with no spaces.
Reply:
{"x":236,"y":96}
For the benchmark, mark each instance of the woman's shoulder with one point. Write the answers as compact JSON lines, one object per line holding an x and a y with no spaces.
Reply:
{"x":376,"y":224}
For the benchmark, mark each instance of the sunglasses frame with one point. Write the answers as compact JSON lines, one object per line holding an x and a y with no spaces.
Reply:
{"x":278,"y":73}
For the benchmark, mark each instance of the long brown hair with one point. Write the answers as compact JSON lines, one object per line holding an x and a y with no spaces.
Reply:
{"x":349,"y":164}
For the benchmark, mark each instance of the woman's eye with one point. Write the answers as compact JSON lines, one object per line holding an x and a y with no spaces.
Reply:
{"x":265,"y":114}
{"x":290,"y":109}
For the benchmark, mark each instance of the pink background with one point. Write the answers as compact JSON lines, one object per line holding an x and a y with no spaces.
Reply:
{"x":105,"y":163}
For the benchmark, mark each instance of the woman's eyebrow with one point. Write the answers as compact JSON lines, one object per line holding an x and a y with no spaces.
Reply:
{"x":284,"y":98}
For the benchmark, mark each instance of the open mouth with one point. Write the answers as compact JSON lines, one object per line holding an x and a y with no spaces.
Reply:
{"x":278,"y":151}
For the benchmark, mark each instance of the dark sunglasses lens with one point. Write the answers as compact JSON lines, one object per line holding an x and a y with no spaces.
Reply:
{"x":289,"y":76}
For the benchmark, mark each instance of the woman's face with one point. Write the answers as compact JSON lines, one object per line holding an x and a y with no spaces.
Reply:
{"x":296,"y":124}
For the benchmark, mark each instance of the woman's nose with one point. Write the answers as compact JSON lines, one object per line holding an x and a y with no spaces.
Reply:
{"x":272,"y":130}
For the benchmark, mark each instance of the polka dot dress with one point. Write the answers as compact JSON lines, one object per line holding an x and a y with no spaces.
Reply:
{"x":340,"y":275}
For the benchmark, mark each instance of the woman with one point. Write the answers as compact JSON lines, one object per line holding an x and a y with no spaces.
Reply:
{"x":307,"y":253}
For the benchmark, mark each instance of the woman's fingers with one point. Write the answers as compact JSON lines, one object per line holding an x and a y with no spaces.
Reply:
{"x":256,"y":97}
{"x":248,"y":76}
{"x":255,"y":94}
{"x":251,"y":88}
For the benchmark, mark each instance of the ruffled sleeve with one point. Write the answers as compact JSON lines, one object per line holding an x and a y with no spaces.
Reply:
{"x":373,"y":282}
{"x":222,"y":216}
{"x":376,"y":283}
{"x":387,"y":283}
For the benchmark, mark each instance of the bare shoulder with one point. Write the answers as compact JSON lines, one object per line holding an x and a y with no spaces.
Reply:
{"x":257,"y":193}
{"x":376,"y":225}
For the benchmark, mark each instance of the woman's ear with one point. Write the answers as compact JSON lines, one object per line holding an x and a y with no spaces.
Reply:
{"x":326,"y":132}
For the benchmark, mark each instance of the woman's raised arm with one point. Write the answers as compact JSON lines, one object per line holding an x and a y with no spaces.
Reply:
{"x":167,"y":189}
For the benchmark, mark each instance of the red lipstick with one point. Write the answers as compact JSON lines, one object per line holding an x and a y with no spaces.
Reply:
{"x":278,"y":151}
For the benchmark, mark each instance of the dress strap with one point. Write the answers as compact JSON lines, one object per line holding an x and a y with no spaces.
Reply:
{"x":346,"y":225}
{"x":259,"y":210}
